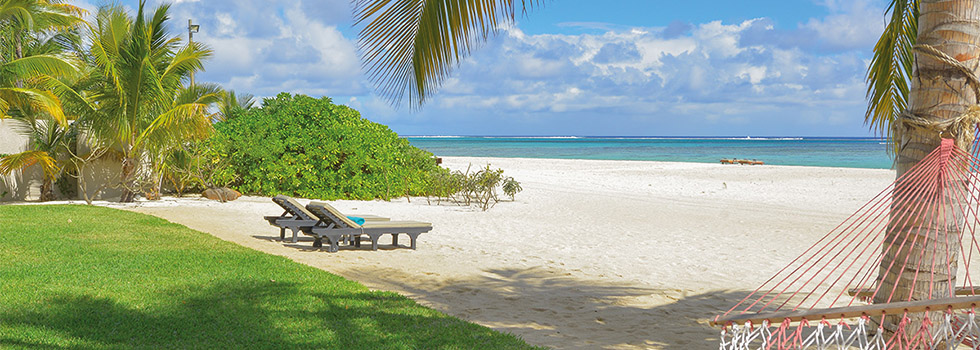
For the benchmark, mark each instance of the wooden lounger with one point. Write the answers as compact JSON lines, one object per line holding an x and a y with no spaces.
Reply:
{"x":336,"y":227}
{"x":295,"y":216}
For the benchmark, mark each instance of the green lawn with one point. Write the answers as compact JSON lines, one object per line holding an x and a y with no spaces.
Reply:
{"x":85,"y":277}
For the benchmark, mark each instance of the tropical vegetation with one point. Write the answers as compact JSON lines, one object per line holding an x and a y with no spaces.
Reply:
{"x":49,"y":149}
{"x":232,"y":105}
{"x":124,"y":94}
{"x":33,"y":34}
{"x":36,"y":39}
{"x":112,"y":279}
{"x":118,"y":89}
{"x":481,"y":187}
{"x":144,"y":107}
{"x":313,"y":148}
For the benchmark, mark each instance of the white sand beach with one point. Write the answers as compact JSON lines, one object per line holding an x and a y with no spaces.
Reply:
{"x":592,"y":254}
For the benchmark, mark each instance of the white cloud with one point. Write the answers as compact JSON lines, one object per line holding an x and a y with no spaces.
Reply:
{"x":270,"y":46}
{"x":653,"y":80}
{"x":853,"y":24}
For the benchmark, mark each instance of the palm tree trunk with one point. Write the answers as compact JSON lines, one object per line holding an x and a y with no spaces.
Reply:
{"x":18,"y":52}
{"x":126,"y":179}
{"x":18,"y":45}
{"x":939,"y":91}
{"x":47,"y":190}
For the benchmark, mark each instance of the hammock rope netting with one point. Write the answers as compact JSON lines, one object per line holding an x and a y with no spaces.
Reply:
{"x":894,"y":275}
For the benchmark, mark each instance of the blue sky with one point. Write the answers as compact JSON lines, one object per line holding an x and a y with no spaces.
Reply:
{"x":578,"y":67}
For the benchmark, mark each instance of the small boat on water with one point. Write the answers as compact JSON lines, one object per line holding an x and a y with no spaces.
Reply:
{"x":742,"y":161}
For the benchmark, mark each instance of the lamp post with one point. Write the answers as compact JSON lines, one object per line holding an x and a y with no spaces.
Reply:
{"x":191,"y":29}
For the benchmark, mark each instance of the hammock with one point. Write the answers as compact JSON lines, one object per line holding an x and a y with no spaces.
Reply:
{"x":852,"y":289}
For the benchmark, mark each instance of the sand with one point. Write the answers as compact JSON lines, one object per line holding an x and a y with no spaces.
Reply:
{"x":592,"y":254}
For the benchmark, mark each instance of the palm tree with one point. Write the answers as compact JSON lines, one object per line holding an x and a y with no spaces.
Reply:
{"x":34,"y":36}
{"x":908,"y":77}
{"x":231,"y":105}
{"x":143,"y":107}
{"x":31,"y":16}
{"x":41,"y":27}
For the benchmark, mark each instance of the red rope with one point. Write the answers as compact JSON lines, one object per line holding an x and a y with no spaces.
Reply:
{"x":914,"y":215}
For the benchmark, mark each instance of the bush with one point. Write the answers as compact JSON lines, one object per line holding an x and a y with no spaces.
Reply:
{"x":309,"y":147}
{"x":197,"y":166}
{"x":467,"y":188}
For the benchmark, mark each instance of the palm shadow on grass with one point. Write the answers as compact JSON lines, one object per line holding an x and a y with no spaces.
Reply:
{"x":95,"y":278}
{"x":214,"y":316}
{"x":240,"y":315}
{"x":570,"y":313}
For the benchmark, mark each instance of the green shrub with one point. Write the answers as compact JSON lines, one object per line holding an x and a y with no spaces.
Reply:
{"x":197,"y":166}
{"x":467,"y":188}
{"x":309,"y":147}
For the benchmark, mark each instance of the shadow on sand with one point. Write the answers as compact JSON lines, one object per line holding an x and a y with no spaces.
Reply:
{"x":557,"y":310}
{"x":305,"y":243}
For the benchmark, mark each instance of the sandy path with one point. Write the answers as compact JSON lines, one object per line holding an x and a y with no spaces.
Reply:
{"x":593,"y":254}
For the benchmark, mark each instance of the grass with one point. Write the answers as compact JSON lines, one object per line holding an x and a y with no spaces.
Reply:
{"x":85,"y":277}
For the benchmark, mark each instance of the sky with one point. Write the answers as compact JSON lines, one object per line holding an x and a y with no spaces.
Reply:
{"x":576,"y":67}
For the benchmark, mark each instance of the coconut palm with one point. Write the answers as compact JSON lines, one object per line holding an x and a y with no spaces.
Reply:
{"x":909,"y":77}
{"x":410,"y":47}
{"x":143,"y":107}
{"x":232,"y":105}
{"x":23,"y":17}
{"x":32,"y":35}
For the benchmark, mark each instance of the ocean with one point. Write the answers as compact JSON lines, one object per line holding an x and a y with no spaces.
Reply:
{"x":807,"y":151}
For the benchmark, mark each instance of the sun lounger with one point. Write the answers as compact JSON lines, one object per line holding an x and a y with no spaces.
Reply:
{"x":336,"y":227}
{"x":295,"y":216}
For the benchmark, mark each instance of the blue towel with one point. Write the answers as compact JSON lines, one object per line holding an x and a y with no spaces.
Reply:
{"x":359,"y":221}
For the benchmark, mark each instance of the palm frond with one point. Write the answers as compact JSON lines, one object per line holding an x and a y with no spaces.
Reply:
{"x":67,"y":94}
{"x":890,"y":71}
{"x":39,"y":100}
{"x":111,"y":29}
{"x":409,"y":47}
{"x":40,"y":15}
{"x":18,"y":12}
{"x":32,"y":66}
{"x":181,"y":122}
{"x":27,"y":159}
{"x":188,"y":59}
{"x":205,"y":93}
{"x":231,"y":104}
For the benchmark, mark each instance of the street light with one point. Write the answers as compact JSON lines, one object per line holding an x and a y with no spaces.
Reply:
{"x":191,"y":29}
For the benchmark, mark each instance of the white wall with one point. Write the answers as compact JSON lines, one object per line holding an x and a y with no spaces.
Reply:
{"x":26,"y":185}
{"x":18,"y":185}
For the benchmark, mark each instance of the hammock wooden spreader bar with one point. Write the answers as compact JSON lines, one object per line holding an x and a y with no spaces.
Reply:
{"x":867,"y":293}
{"x":908,"y":251}
{"x":872,"y":310}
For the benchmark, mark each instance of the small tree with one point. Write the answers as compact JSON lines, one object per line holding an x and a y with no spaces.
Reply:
{"x":466,"y":188}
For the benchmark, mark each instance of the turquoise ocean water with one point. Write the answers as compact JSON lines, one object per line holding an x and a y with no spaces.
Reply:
{"x":815,"y":151}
